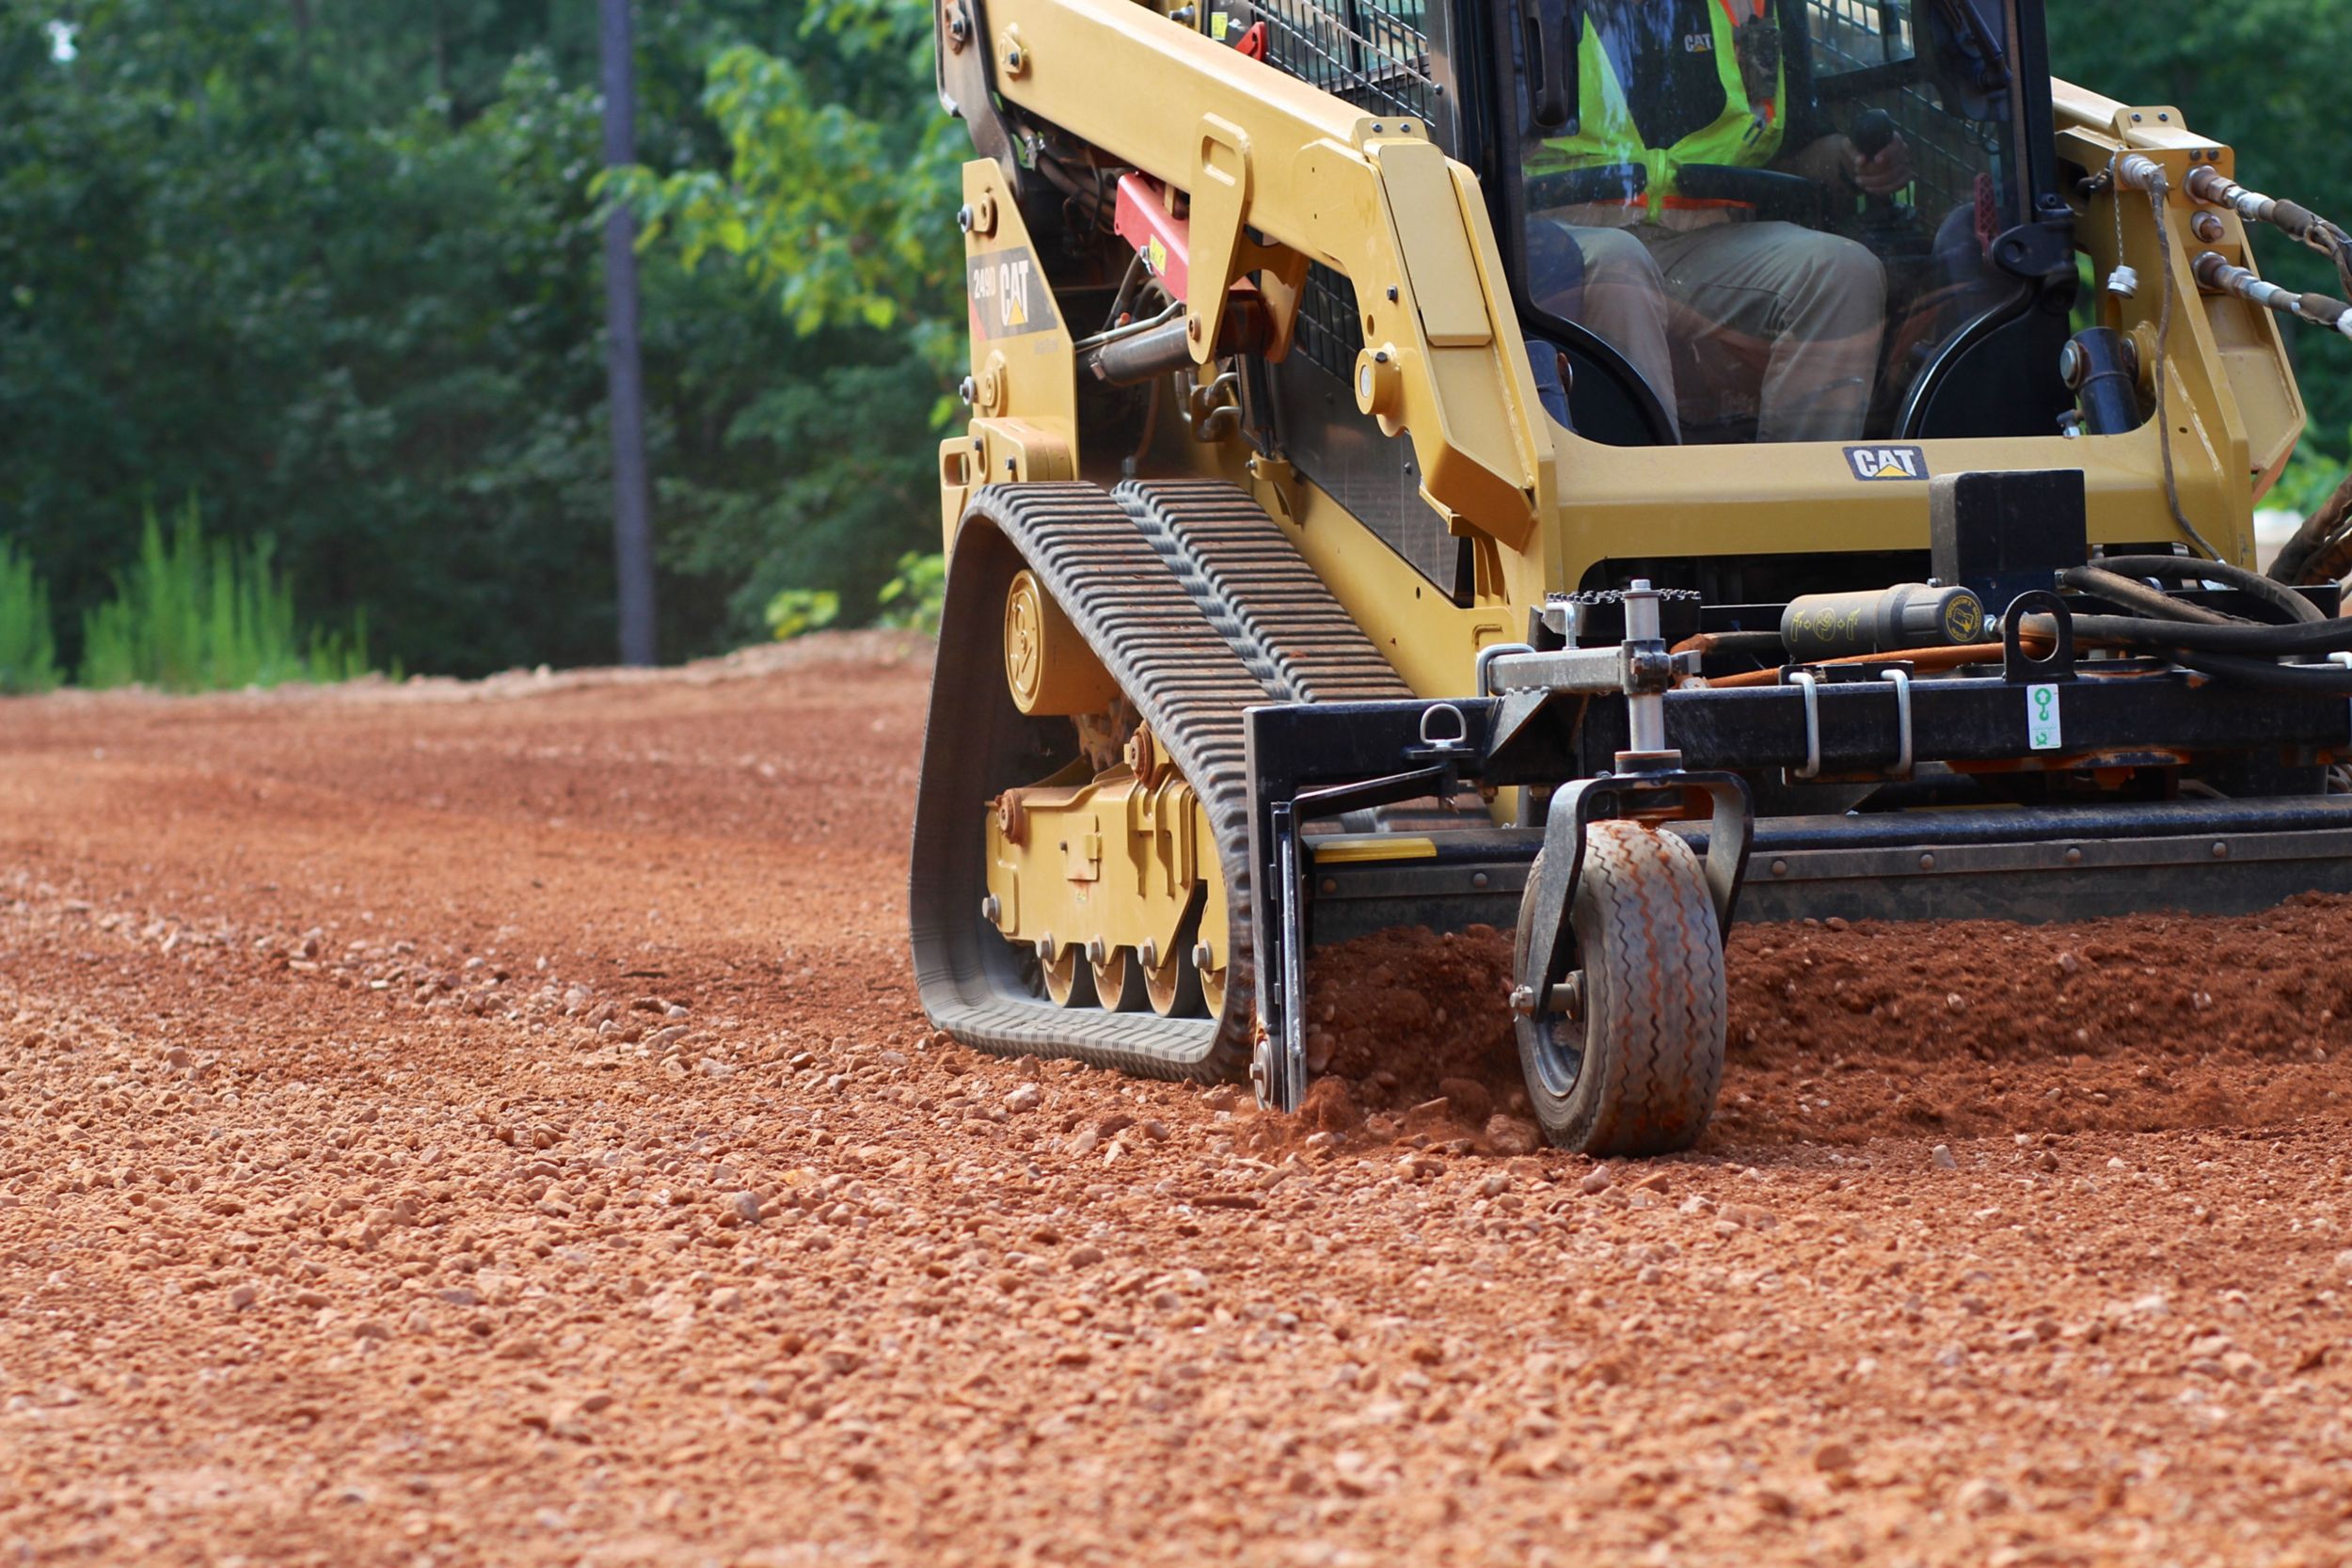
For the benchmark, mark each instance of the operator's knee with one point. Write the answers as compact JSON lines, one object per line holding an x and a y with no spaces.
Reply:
{"x":1841,"y":287}
{"x":1615,"y":257}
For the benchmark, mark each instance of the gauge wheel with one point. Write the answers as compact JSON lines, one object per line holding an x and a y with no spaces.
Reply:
{"x":1624,"y":1057}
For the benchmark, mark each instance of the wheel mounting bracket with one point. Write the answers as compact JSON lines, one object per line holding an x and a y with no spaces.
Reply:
{"x":1579,"y":803}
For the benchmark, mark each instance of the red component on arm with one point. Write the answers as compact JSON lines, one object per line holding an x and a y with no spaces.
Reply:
{"x":1162,"y":240}
{"x":1253,"y":42}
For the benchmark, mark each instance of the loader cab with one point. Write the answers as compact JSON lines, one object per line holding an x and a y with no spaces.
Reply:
{"x":1971,"y":261}
{"x":1676,"y":185}
{"x":1622,"y":154}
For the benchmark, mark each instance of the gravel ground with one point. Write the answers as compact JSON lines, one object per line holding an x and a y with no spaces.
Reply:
{"x":492,"y":1124}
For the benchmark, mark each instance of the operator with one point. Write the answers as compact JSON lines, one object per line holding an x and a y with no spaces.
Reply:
{"x":1780,"y":322}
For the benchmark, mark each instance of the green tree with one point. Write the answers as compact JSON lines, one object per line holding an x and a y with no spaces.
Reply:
{"x":2258,"y":75}
{"x":336,"y":272}
{"x":839,"y":176}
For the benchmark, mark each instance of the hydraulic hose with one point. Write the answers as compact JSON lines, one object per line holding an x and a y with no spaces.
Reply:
{"x":2152,"y":602}
{"x":2176,"y":568}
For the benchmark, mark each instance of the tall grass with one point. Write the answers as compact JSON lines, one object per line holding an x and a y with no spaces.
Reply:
{"x":28,"y":648}
{"x":196,"y":615}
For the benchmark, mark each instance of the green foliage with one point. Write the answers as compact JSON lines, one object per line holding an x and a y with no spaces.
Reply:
{"x":29,"y":649}
{"x":797,"y":612}
{"x":2312,"y":476}
{"x":338,"y":270}
{"x":2247,"y":74}
{"x":840,"y":171}
{"x":915,"y":597}
{"x":829,"y":200}
{"x":197,"y":614}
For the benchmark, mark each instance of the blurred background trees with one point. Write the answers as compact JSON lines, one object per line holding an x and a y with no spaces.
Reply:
{"x":331,"y":271}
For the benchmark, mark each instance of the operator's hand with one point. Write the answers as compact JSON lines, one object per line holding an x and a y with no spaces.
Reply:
{"x":1882,"y":174}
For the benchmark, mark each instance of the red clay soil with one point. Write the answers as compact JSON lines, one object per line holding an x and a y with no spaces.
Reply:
{"x":492,"y":1124}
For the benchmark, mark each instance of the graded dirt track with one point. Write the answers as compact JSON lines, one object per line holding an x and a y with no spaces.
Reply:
{"x":493,"y":1124}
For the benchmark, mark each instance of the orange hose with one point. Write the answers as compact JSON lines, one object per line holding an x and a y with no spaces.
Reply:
{"x":1918,"y":658}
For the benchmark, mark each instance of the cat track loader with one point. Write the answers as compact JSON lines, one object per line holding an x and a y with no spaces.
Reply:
{"x":1450,"y":461}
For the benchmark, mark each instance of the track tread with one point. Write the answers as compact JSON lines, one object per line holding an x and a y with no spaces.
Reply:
{"x":1201,"y":608}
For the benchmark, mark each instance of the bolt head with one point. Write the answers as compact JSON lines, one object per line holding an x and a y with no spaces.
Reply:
{"x":963,"y":219}
{"x":1203,"y":956}
{"x":1096,"y":951}
{"x":991,"y":910}
{"x":1149,"y":953}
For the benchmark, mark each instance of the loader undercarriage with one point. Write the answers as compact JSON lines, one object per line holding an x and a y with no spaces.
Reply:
{"x":1105,"y":912}
{"x":1575,"y":538}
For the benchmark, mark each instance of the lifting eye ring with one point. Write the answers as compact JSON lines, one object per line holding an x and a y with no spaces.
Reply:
{"x":1458,"y":741}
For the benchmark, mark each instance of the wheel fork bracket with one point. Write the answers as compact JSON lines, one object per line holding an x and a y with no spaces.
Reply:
{"x":1673,"y":795}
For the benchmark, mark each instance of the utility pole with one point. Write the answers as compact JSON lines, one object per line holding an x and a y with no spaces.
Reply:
{"x":632,"y":521}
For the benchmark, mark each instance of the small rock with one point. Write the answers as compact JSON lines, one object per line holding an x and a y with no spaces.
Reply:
{"x":745,"y":1207}
{"x":1222,"y":1098}
{"x":1982,"y":1496}
{"x":1086,"y":1142}
{"x":311,"y":1298}
{"x":1942,"y":1155}
{"x":1596,"y":1180}
{"x":1511,"y":1137}
{"x":726,"y":1298}
{"x":2115,"y":1162}
{"x":1833,"y":1457}
{"x":1470,"y":1098}
{"x":1024,"y":1097}
{"x":1085,"y":1256}
{"x":1329,"y":1107}
{"x":458,"y":1295}
{"x":1430,"y":1116}
{"x":1495,"y":1186}
{"x":242,"y":1297}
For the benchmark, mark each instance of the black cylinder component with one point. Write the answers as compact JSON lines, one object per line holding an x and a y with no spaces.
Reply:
{"x":1879,"y":621}
{"x":2100,"y":368}
{"x":1138,"y":356}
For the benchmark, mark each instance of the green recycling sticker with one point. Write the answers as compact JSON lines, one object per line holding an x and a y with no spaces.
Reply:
{"x":2042,"y":717}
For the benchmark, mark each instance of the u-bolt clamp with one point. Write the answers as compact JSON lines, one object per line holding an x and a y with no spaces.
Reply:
{"x":1810,"y":684}
{"x":1901,"y":680}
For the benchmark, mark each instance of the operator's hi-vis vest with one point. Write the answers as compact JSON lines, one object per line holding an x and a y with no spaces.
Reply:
{"x":1606,"y":133}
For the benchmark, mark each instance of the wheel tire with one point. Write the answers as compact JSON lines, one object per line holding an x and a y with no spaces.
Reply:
{"x":1638,"y":1073}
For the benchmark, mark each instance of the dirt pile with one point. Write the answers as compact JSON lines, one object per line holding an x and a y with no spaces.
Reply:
{"x":2138,"y":1023}
{"x":1411,"y":1031}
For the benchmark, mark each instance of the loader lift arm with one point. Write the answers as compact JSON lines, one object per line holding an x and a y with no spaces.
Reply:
{"x":1279,"y":174}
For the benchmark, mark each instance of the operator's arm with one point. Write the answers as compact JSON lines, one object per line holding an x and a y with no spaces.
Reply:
{"x":1812,"y":146}
{"x":1836,"y":161}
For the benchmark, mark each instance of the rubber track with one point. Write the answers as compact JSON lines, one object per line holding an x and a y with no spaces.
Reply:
{"x":1199,"y":609}
{"x":1262,"y":594}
